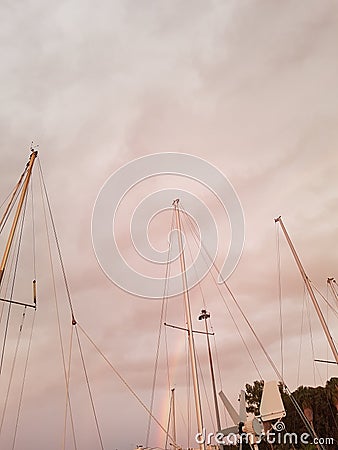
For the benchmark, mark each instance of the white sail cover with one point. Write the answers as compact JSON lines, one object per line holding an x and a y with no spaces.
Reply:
{"x":271,"y":404}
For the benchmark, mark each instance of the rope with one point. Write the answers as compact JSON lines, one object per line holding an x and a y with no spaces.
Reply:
{"x":311,"y":341}
{"x":33,"y":232}
{"x":188,"y":382}
{"x":89,"y":389}
{"x":13,"y":283}
{"x":219,"y":374}
{"x":325,"y":300}
{"x":67,"y":402}
{"x":167,"y":353}
{"x":168,"y":423}
{"x":8,"y":280}
{"x":123,"y":380}
{"x":57,"y":243}
{"x":226,"y":305}
{"x":55,"y":298}
{"x":15,"y":193}
{"x":327,"y":321}
{"x":23,"y":382}
{"x":164,"y":298}
{"x":165,"y":318}
{"x":12,"y":370}
{"x":206,"y":395}
{"x":155,"y":370}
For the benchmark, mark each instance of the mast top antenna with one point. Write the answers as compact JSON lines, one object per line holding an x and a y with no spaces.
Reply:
{"x":33,"y":147}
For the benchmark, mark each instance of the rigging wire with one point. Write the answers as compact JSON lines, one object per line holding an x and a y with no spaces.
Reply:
{"x":325,"y":300}
{"x":57,"y":243}
{"x":167,"y":349}
{"x":23,"y":382}
{"x":155,"y":370}
{"x":160,"y":326}
{"x":225,"y":302}
{"x":33,"y":231}
{"x":43,"y":196}
{"x":311,"y":340}
{"x":169,"y":383}
{"x":211,"y":328}
{"x":89,"y":388}
{"x":188,"y":383}
{"x":301,"y":338}
{"x":8,"y":280}
{"x":237,"y":305}
{"x":12,"y":369}
{"x":168,"y":423}
{"x":67,"y":403}
{"x":219,"y":375}
{"x":14,"y":195}
{"x":74,"y":322}
{"x":205,"y":393}
{"x":22,"y":220}
{"x":327,"y":321}
{"x":120,"y":377}
{"x":19,"y":241}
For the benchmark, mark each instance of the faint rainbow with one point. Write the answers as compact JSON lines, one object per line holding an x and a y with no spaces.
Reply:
{"x":175,"y":360}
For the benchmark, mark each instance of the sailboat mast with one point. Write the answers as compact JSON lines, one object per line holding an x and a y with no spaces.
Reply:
{"x":173,"y":412}
{"x":191,"y":342}
{"x":17,"y":213}
{"x":310,"y":290}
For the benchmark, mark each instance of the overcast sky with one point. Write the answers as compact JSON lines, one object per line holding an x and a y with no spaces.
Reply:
{"x":250,"y":86}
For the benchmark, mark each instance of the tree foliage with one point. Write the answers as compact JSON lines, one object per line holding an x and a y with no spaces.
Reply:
{"x":319,"y":405}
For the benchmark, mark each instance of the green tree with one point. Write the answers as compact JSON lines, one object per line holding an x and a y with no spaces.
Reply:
{"x":319,"y":404}
{"x":332,"y":390}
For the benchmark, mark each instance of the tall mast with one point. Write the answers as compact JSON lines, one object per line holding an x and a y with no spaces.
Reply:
{"x":17,"y":213}
{"x":204,"y":316}
{"x":191,"y":342}
{"x":310,"y":290}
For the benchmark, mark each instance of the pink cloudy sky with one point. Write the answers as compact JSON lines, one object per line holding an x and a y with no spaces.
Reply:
{"x":249,"y":86}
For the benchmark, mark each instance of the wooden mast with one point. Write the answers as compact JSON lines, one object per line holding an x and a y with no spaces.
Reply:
{"x":17,"y":213}
{"x":310,"y":290}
